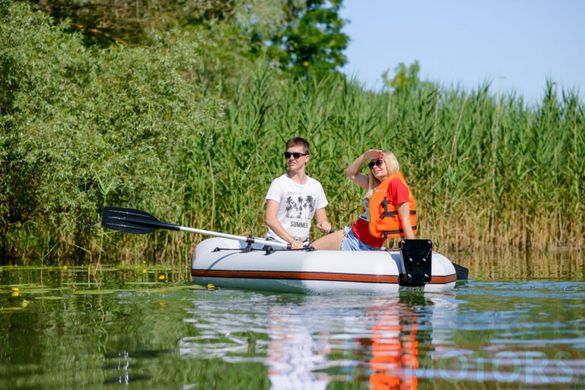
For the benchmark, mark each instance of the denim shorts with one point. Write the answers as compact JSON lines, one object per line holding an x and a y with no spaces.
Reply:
{"x":351,"y":243}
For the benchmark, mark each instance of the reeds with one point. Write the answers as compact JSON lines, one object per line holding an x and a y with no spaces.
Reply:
{"x":489,"y":172}
{"x":196,"y":141}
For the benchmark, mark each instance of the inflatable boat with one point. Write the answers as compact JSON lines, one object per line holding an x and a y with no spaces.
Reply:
{"x":253,"y":263}
{"x":229,"y":263}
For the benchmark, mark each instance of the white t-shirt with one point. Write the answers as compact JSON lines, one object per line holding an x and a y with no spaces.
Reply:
{"x":297,"y":205}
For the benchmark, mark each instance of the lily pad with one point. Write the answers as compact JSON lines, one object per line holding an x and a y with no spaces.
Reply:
{"x":10,"y":309}
{"x":163,"y":290}
{"x":23,"y":286}
{"x":104,"y":269}
{"x":95,"y":292}
{"x":50,"y":298}
{"x":43,"y":290}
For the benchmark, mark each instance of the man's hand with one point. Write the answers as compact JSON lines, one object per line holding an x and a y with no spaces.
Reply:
{"x":324,"y":227}
{"x":296,"y":244}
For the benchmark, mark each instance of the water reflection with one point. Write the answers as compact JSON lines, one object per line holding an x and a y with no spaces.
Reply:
{"x":310,"y":342}
{"x":488,"y":334}
{"x":485,"y":334}
{"x":394,"y":346}
{"x":232,"y":329}
{"x":403,"y":338}
{"x":296,"y":350}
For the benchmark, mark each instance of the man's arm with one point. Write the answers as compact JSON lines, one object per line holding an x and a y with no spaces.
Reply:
{"x":271,"y":220}
{"x":322,"y":223}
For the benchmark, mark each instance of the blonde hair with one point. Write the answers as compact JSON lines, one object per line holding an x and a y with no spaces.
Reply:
{"x":392,"y":167}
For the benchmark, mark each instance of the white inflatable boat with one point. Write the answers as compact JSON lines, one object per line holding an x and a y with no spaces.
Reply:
{"x":235,"y":264}
{"x":253,"y":263}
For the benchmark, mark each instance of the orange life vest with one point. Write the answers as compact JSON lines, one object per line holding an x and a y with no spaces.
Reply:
{"x":384,"y":219}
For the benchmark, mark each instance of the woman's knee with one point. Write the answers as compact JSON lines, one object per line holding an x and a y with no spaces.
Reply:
{"x":329,"y":242}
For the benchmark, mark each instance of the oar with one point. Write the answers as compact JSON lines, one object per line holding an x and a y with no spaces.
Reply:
{"x":140,"y":222}
{"x":461,"y":272}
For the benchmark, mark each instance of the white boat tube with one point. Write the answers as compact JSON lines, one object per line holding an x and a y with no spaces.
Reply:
{"x":235,"y":264}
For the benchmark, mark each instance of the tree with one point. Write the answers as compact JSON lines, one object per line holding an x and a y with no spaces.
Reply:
{"x":405,"y":77}
{"x":302,"y":36}
{"x":312,"y":40}
{"x":129,"y":21}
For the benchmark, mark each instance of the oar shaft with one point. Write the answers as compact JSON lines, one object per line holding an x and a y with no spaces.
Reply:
{"x":234,"y":237}
{"x":139,"y":222}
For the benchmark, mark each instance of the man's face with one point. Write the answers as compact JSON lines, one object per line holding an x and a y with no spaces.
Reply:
{"x":296,"y":159}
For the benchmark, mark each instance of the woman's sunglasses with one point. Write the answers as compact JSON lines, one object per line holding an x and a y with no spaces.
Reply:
{"x":377,"y":163}
{"x":296,"y":155}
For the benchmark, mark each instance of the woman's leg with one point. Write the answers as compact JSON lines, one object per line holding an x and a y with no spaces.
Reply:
{"x":331,"y":242}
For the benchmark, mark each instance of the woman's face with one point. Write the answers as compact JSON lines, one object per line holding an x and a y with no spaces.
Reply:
{"x":378,"y":169}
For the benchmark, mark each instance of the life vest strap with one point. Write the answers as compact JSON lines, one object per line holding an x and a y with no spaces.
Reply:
{"x":394,"y":213}
{"x":398,"y":231}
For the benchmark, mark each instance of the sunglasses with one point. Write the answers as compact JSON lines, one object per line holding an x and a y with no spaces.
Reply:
{"x":377,"y":163}
{"x":296,"y":155}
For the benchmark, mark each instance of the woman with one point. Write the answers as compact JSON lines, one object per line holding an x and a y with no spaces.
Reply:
{"x":393,"y":212}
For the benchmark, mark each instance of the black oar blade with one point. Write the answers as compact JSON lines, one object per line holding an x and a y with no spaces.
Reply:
{"x":462,"y":272}
{"x":126,"y":228}
{"x":129,"y":220}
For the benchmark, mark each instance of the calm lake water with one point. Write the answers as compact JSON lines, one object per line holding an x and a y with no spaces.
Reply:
{"x":518,"y":326}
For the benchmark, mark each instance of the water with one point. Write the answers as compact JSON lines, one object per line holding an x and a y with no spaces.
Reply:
{"x":149,"y":329}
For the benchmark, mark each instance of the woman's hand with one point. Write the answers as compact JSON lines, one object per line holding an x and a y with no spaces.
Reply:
{"x":374,"y":154}
{"x":353,"y":170}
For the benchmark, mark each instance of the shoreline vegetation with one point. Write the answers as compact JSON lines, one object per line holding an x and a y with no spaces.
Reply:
{"x":190,"y":127}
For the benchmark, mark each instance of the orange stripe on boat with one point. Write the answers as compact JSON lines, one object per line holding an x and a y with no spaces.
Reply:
{"x":327,"y":276}
{"x":336,"y":277}
{"x":443,"y":279}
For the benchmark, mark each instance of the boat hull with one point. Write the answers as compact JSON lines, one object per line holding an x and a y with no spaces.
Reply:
{"x":225,"y":263}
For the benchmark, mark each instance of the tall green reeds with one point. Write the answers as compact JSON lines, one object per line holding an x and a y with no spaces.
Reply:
{"x":196,"y":140}
{"x":489,"y":172}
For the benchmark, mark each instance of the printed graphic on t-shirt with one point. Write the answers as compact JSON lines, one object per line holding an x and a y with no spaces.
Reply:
{"x":300,"y":207}
{"x":297,"y":205}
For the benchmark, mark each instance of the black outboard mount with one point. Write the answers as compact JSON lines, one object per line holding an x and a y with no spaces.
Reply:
{"x":416,"y":261}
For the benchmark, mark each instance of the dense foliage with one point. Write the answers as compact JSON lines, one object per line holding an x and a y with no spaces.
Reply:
{"x":190,"y":125}
{"x":301,"y":36}
{"x":312,"y":40}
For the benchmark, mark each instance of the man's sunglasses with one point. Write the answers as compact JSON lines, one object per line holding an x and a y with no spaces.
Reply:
{"x":377,"y":163}
{"x":296,"y":155}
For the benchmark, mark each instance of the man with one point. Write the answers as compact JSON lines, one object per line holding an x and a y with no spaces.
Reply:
{"x":294,"y":198}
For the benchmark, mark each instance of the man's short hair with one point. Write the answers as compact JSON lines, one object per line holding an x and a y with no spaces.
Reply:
{"x":299,"y":141}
